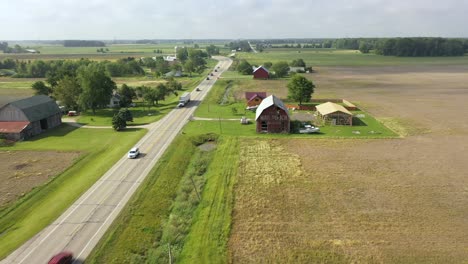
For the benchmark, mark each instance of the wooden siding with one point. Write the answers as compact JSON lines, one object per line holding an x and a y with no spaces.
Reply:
{"x":273,"y":120}
{"x":261,"y":74}
{"x":255,"y":101}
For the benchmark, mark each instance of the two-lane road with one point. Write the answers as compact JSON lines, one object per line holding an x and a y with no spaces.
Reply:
{"x":80,"y":227}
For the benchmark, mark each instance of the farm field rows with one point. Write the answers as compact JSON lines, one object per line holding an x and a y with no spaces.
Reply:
{"x":365,"y":201}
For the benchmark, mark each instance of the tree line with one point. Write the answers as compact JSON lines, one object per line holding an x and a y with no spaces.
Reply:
{"x":88,"y":85}
{"x":405,"y":47}
{"x":45,"y":69}
{"x":421,"y":47}
{"x":279,"y":69}
{"x":83,"y":43}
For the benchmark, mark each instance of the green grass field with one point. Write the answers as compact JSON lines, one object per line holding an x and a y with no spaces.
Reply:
{"x":332,"y":57}
{"x":100,"y":148}
{"x":136,"y":234}
{"x":208,"y":237}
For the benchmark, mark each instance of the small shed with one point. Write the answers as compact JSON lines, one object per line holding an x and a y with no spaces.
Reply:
{"x":29,"y":117}
{"x":254,"y":98}
{"x":335,"y":114}
{"x":261,"y":73}
{"x":272,"y":116}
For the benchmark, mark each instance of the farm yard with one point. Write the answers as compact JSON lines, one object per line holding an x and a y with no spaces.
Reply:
{"x":372,"y":201}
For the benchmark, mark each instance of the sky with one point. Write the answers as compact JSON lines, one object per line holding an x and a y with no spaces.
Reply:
{"x":233,"y":19}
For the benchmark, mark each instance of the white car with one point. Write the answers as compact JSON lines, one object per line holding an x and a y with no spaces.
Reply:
{"x":133,"y":153}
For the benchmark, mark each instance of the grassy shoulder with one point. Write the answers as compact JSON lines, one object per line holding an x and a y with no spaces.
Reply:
{"x":101,"y":148}
{"x":209,"y":235}
{"x":142,"y":229}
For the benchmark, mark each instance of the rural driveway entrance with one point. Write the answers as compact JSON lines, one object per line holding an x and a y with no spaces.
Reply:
{"x":80,"y":227}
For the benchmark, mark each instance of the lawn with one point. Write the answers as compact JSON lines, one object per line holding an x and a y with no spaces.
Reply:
{"x":100,"y":148}
{"x":333,"y":57}
{"x":141,"y":114}
{"x":368,"y":127}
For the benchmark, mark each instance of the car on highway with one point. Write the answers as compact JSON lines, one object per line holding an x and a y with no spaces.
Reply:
{"x":207,"y":78}
{"x":133,"y":153}
{"x":62,"y":258}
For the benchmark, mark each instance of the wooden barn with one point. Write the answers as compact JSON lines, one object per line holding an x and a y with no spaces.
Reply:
{"x":254,"y":98}
{"x":261,"y":73}
{"x":335,"y":114}
{"x":28,"y":117}
{"x":272,"y":116}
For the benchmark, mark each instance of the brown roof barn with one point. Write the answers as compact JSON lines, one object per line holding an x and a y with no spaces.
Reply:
{"x":28,"y":117}
{"x":261,"y":73}
{"x":272,"y":116}
{"x":335,"y":114}
{"x":254,"y":99}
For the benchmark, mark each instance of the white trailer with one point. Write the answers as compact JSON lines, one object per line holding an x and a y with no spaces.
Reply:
{"x":184,"y":99}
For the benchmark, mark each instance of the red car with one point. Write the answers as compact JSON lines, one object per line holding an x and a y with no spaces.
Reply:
{"x":62,"y":258}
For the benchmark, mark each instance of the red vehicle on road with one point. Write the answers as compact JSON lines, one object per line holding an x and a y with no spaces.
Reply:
{"x":62,"y":258}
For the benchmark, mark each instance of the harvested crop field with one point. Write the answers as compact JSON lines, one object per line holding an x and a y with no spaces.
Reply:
{"x":20,"y":171}
{"x":363,"y":201}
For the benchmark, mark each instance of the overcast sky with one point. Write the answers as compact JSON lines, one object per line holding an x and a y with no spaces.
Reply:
{"x":233,"y":19}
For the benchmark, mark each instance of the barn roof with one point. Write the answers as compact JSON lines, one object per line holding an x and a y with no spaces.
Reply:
{"x":13,"y":127}
{"x":250,"y":95}
{"x":261,"y":67}
{"x":329,"y":107}
{"x":37,"y":107}
{"x":269,"y":101}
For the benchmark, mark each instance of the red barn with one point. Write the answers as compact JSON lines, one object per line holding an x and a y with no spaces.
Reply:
{"x":261,"y":73}
{"x":254,"y":99}
{"x":272,"y":116}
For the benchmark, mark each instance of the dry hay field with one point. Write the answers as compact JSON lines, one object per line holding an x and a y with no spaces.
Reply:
{"x":21,"y":171}
{"x":363,"y":201}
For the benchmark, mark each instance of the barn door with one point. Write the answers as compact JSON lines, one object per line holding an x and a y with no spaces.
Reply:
{"x":44,"y":125}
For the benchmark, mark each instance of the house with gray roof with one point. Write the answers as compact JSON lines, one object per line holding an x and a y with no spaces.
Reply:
{"x":28,"y":117}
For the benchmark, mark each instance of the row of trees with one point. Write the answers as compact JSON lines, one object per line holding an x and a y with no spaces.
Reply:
{"x":410,"y":47}
{"x":45,"y":69}
{"x":91,"y":87}
{"x":280,"y":69}
{"x":83,"y":43}
{"x":420,"y":47}
{"x":15,"y":49}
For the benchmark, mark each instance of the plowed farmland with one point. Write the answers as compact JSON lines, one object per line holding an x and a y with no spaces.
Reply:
{"x":363,"y":201}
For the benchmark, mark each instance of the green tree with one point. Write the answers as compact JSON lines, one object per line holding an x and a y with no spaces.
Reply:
{"x":189,"y":67}
{"x":364,"y":47}
{"x":161,"y":92}
{"x":182,"y":54}
{"x":281,"y":69}
{"x":127,"y":94}
{"x":172,"y":85}
{"x":300,"y":89}
{"x":119,"y":120}
{"x":97,"y":87}
{"x":68,"y":91}
{"x":298,"y":63}
{"x":267,"y":65}
{"x":40,"y":87}
{"x":212,"y":50}
{"x":245,"y":68}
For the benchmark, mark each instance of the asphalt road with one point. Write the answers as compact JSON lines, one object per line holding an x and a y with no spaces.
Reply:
{"x":80,"y":227}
